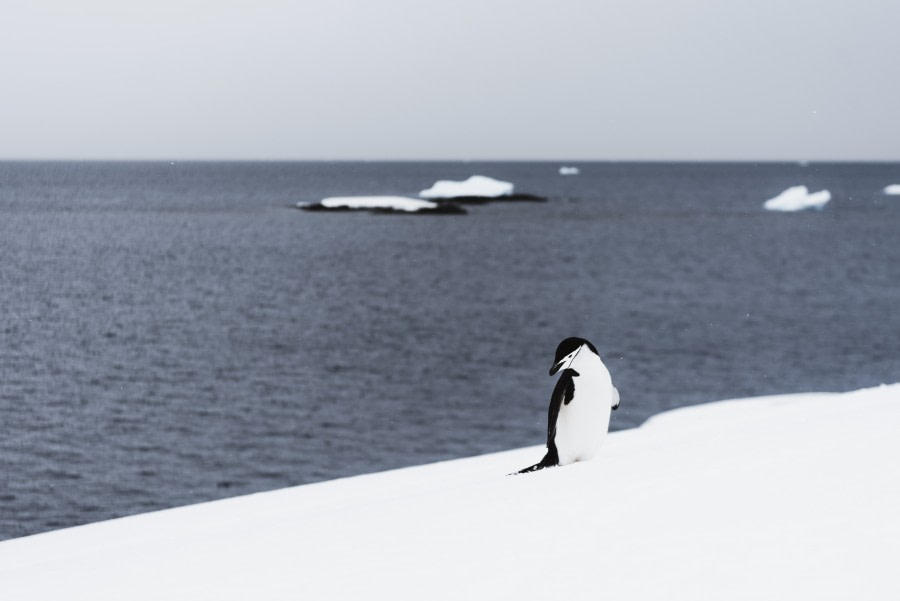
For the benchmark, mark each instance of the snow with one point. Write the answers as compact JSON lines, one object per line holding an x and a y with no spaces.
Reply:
{"x":477,"y":185}
{"x":778,"y":498}
{"x":892,"y":189}
{"x":396,"y":203}
{"x":569,"y":170}
{"x":798,"y":198}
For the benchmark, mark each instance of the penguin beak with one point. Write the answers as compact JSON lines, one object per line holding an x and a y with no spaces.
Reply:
{"x":564,"y":362}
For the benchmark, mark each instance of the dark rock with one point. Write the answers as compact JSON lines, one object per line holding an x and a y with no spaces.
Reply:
{"x":478,"y":200}
{"x":448,"y":208}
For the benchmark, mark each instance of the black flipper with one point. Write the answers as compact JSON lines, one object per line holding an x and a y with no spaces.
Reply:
{"x":562,"y":394}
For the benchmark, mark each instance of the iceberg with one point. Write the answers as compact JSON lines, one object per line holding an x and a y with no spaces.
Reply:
{"x":477,"y":185}
{"x":798,"y":198}
{"x":569,"y":171}
{"x":382,"y":204}
{"x":893,"y":189}
{"x":476,"y":189}
{"x":781,"y":497}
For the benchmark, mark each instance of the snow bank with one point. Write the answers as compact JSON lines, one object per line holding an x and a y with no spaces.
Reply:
{"x":477,"y":186}
{"x":798,"y":198}
{"x":398,"y":204}
{"x":779,"y":498}
{"x":892,"y":189}
{"x":569,"y":171}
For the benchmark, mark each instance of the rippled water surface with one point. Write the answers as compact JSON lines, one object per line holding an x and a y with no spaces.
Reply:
{"x":174,"y":333}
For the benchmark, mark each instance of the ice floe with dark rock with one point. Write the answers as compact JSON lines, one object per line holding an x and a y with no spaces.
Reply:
{"x":476,"y":189}
{"x":383,"y":204}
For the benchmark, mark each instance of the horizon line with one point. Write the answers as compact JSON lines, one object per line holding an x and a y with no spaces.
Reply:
{"x":441,"y":160}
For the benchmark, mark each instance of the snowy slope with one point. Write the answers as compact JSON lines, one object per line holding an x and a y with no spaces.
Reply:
{"x":792,"y":497}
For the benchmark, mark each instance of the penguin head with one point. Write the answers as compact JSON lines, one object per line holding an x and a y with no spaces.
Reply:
{"x":567,"y":350}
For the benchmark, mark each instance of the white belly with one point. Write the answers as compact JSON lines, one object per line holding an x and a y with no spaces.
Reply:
{"x":582,"y":424}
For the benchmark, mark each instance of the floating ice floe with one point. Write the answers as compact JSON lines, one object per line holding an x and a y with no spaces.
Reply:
{"x":798,"y":198}
{"x":382,"y":204}
{"x":477,"y":185}
{"x":477,"y":188}
{"x":569,"y":170}
{"x":746,"y":499}
{"x":892,"y":190}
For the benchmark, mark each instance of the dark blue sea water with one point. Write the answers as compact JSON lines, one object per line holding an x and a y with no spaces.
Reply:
{"x":174,"y":333}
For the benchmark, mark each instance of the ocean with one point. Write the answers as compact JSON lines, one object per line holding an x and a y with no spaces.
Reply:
{"x":178,"y":332}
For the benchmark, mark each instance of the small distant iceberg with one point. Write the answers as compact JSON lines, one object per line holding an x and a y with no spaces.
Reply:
{"x":892,"y":190}
{"x":798,"y":198}
{"x":383,"y":204}
{"x":569,"y":170}
{"x":476,"y":189}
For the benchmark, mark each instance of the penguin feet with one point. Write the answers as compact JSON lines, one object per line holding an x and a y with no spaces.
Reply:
{"x":548,"y":461}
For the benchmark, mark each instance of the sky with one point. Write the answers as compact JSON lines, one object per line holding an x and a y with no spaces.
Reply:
{"x":467,"y":79}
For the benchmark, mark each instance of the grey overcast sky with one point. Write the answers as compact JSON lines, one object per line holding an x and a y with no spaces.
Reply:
{"x":461,"y":79}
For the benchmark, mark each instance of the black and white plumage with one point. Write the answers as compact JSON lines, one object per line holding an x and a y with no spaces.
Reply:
{"x":578,"y":418}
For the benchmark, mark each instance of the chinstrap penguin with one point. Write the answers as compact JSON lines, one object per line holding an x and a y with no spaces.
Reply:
{"x":580,"y":405}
